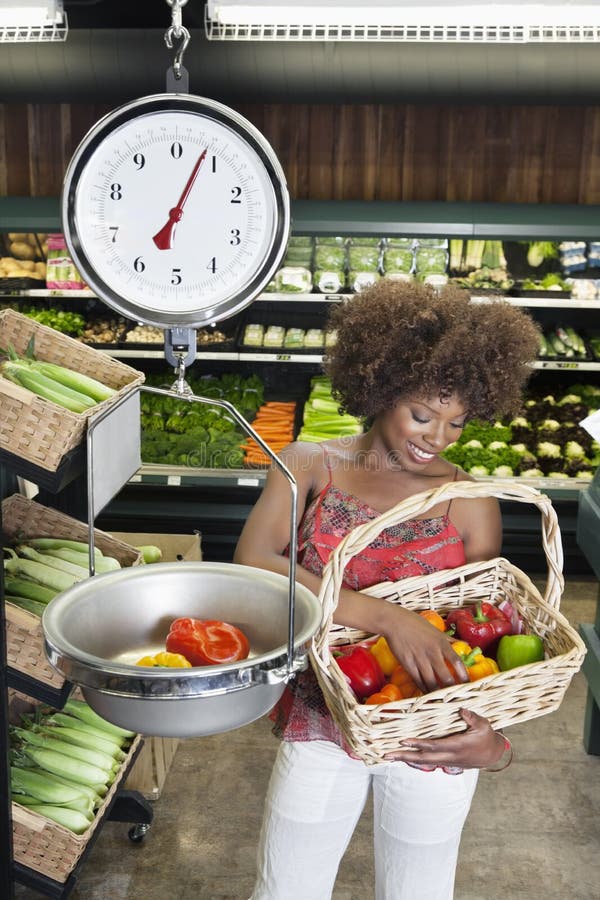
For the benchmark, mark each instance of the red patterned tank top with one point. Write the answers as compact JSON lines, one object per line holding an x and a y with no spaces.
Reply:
{"x":414,"y":547}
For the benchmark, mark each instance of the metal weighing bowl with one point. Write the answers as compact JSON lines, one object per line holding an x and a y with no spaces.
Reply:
{"x":97,"y":630}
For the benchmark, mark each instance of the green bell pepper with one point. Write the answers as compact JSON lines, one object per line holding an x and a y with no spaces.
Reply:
{"x":519,"y":650}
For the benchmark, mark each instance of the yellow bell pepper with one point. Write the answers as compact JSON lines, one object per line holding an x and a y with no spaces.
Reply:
{"x":165,"y":660}
{"x":384,"y":656}
{"x":477,"y":665}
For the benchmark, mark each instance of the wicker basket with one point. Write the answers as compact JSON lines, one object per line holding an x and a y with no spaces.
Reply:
{"x":513,"y":696}
{"x":21,"y":519}
{"x":49,"y":848}
{"x":40,"y":431}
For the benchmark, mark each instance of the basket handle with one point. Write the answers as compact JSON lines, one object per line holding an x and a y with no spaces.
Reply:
{"x":360,"y":538}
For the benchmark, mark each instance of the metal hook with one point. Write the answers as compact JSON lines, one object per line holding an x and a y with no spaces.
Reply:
{"x":177,"y":31}
{"x":185,"y":35}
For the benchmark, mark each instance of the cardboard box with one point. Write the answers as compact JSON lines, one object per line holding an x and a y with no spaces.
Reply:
{"x":173,"y":546}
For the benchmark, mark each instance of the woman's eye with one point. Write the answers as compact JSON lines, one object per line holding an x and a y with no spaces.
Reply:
{"x":459,"y":425}
{"x":419,"y":420}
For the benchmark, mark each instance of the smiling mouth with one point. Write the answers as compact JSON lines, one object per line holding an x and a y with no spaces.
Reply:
{"x":420,"y":454}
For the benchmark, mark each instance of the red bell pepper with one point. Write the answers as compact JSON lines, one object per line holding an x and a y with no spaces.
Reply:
{"x":365,"y":675}
{"x":481,"y":625}
{"x":206,"y":642}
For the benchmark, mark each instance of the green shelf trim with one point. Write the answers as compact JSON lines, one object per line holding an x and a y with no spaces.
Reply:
{"x":30,"y":214}
{"x":516,"y":221}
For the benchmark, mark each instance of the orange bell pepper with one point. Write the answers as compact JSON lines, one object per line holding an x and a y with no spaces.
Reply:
{"x":404,"y":681}
{"x":387,"y":694}
{"x":434,"y":618}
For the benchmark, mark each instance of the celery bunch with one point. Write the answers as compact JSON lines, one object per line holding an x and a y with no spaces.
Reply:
{"x":322,"y":419}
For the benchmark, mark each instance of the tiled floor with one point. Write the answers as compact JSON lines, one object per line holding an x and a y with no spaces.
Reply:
{"x":533,"y":832}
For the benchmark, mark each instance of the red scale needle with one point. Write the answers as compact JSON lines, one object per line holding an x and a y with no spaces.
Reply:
{"x":164,"y":238}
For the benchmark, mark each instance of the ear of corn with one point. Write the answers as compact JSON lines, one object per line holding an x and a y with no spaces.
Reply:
{"x":101,"y":563}
{"x":47,"y":543}
{"x":85,"y":713}
{"x":46,"y":387}
{"x":83,"y":384}
{"x":31,"y":606}
{"x":72,"y":819}
{"x":30,"y":590}
{"x":61,"y":564}
{"x":38,"y":571}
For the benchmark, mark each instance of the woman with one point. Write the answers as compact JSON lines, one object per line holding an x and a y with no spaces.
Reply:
{"x":415,"y":365}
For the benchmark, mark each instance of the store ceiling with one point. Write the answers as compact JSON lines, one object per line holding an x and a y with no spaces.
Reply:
{"x":116,"y":51}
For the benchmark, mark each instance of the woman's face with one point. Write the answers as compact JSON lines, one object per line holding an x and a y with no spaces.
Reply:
{"x":415,"y":431}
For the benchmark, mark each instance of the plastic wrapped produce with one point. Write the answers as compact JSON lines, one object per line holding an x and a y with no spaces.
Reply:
{"x":360,"y":281}
{"x":365,"y":242}
{"x":584,"y":288}
{"x":294,"y":338}
{"x":294,"y":279}
{"x":440,"y":243}
{"x":301,"y":240}
{"x":253,"y":335}
{"x":397,"y":259}
{"x":593,"y":254}
{"x":573,"y":256}
{"x":331,"y":240}
{"x":331,"y":338}
{"x":431,"y":260}
{"x":330,"y":258}
{"x":314,"y":337}
{"x":329,"y":282}
{"x":274,"y":336}
{"x":363,"y":259}
{"x":404,"y":243}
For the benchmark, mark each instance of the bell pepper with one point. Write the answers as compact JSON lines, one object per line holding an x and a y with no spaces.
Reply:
{"x":405,"y":682}
{"x":482,"y":625}
{"x":476,"y":664}
{"x":207,"y":642}
{"x":165,"y":660}
{"x":434,"y":618}
{"x":519,"y":650}
{"x":362,"y":670}
{"x":387,"y":694}
{"x":384,"y":656}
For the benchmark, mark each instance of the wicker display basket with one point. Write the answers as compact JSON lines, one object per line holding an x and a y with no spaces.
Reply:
{"x":513,"y":696}
{"x":37,"y":430}
{"x":22,"y":519}
{"x":49,"y":848}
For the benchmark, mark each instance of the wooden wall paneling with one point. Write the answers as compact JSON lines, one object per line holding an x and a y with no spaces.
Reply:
{"x":354,"y":147}
{"x":562,"y":154}
{"x":46,"y":161}
{"x":17,"y":149}
{"x":390,"y":171}
{"x":321,"y":158}
{"x":499,"y":164}
{"x":421,"y":169}
{"x":589,"y":168}
{"x":462,"y":165}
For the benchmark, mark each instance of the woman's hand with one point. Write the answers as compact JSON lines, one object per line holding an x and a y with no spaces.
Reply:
{"x":425,"y":652}
{"x":476,"y":748}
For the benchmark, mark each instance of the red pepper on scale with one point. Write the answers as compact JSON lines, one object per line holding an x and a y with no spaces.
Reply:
{"x":481,"y":625}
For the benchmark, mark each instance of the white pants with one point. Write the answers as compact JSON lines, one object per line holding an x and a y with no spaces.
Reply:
{"x":315,"y":798}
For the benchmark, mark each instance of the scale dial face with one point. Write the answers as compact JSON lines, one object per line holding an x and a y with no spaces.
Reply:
{"x":175,"y":210}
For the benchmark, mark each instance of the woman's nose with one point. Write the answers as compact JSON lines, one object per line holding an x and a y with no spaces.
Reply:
{"x":436,"y":436}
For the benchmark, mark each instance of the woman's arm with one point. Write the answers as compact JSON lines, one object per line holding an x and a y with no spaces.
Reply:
{"x":422,"y":649}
